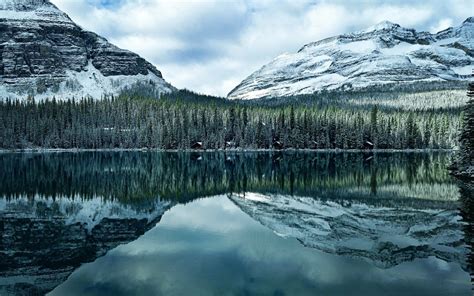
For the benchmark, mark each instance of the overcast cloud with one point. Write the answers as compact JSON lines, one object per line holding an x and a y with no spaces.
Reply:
{"x":209,"y":46}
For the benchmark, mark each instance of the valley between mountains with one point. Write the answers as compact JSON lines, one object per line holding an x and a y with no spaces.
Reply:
{"x":343,"y":167}
{"x":385,"y":87}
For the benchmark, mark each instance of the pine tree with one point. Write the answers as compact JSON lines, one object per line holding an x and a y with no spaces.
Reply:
{"x":411,"y":131}
{"x":464,"y":166}
{"x":373,"y":125}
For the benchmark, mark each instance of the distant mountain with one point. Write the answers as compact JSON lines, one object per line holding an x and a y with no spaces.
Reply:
{"x":384,"y":55}
{"x":43,"y":53}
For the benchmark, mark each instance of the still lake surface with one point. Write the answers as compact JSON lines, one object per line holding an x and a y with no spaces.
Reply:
{"x":288,"y":223}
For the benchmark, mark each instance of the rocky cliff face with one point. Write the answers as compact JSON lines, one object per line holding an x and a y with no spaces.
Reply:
{"x":384,"y":234}
{"x":385,"y":55}
{"x":44,"y":240}
{"x":43,"y":53}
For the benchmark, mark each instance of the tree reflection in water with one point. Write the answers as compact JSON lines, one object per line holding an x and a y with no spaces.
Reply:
{"x":60,"y":210}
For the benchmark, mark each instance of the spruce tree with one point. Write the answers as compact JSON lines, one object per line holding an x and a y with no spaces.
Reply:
{"x":373,"y":125}
{"x":465,"y":162}
{"x":411,"y":131}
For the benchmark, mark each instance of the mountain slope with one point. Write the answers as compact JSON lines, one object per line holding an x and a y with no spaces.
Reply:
{"x":44,"y":53}
{"x":386,"y":54}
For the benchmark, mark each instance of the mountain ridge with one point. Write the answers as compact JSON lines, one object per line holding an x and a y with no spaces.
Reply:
{"x":45,"y":54}
{"x":385,"y":54}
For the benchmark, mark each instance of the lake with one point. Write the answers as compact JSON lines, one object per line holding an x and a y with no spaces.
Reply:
{"x":234,"y":223}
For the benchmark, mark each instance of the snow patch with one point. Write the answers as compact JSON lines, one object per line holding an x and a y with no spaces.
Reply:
{"x":92,"y":83}
{"x":402,"y":49}
{"x":364,"y":46}
{"x":465,"y":70}
{"x":255,"y":197}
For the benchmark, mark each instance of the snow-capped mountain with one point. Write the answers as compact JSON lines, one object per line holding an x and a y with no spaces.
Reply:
{"x":386,"y":54}
{"x":43,"y":53}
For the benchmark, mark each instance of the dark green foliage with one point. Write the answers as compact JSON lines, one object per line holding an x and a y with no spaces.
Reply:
{"x":172,"y":123}
{"x":467,"y":134}
{"x":464,"y":165}
{"x":133,"y":177}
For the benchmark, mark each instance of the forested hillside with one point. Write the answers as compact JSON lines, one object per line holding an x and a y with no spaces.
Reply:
{"x":188,"y":121}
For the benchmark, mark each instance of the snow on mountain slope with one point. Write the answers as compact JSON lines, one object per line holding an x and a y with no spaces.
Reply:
{"x":43,"y":53}
{"x":385,"y":54}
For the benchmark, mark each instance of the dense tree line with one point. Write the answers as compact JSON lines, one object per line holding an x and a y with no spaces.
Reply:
{"x":464,"y":163}
{"x":136,"y":122}
{"x":447,"y":100}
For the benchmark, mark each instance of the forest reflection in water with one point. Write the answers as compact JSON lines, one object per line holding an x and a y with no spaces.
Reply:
{"x":134,"y":176}
{"x":81,"y":205}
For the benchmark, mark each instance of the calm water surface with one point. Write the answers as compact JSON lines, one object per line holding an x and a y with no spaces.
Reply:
{"x":146,"y":223}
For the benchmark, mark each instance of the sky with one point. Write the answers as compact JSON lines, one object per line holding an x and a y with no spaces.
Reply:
{"x":210,"y":46}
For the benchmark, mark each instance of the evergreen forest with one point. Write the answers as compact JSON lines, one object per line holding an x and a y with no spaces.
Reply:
{"x":189,"y":121}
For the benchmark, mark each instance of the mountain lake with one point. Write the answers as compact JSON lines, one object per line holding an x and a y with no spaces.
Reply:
{"x":234,"y":223}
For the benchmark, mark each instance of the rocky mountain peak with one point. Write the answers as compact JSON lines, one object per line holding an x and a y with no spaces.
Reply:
{"x":24,"y":12}
{"x":468,"y":24}
{"x":382,"y":26}
{"x":469,"y":20}
{"x":383,"y":55}
{"x":23,"y":5}
{"x":43,"y":53}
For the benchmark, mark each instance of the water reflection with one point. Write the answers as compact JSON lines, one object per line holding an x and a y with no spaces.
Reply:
{"x":209,"y":247}
{"x":60,"y":210}
{"x":467,"y":212}
{"x":383,"y":234}
{"x":135,"y":176}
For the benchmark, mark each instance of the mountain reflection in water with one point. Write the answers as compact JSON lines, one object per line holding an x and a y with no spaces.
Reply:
{"x":61,"y":210}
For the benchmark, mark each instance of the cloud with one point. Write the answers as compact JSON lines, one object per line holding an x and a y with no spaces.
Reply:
{"x":211,"y":45}
{"x":441,"y":25}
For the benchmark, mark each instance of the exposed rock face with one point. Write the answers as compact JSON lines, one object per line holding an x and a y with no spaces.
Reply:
{"x":44,"y":53}
{"x":44,"y":241}
{"x":383,"y":235}
{"x":383,"y":55}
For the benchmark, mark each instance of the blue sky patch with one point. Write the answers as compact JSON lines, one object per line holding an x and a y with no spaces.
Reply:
{"x":110,"y":4}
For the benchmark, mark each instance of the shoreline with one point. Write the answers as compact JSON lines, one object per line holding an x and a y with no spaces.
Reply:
{"x":78,"y":150}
